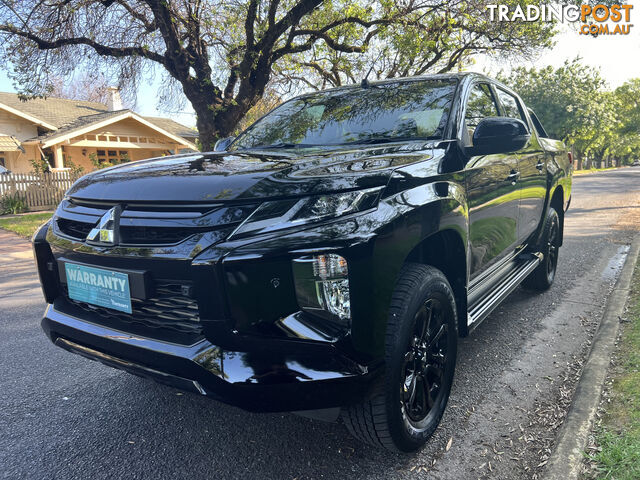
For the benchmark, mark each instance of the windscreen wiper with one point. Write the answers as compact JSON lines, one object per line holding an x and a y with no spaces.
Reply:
{"x":284,"y":145}
{"x":374,"y":140}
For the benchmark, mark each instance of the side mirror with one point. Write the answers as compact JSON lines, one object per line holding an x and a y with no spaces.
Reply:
{"x":499,"y":135}
{"x":222,"y":144}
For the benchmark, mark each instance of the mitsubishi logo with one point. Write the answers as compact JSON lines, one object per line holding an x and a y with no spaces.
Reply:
{"x":106,"y":231}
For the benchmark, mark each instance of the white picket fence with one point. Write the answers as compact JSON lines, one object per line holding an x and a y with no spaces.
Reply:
{"x":41,"y":191}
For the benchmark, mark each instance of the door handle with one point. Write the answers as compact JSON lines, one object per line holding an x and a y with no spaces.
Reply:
{"x":513,"y":176}
{"x":540,"y":165}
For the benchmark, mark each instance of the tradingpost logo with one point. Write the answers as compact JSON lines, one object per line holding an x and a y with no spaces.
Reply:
{"x":595,"y":20}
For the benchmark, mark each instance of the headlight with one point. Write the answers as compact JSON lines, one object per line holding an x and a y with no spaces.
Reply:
{"x":322,"y":287}
{"x":280,"y":214}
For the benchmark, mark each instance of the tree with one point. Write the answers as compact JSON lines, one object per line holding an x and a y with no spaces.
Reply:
{"x":572,"y":103}
{"x":223,"y":54}
{"x":90,"y":88}
{"x":627,"y":147}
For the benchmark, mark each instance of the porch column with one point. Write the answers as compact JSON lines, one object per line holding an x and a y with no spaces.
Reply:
{"x":57,"y":156}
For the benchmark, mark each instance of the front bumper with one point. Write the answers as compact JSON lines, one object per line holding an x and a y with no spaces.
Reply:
{"x":283,"y":375}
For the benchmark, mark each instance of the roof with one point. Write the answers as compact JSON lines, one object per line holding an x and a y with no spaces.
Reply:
{"x":80,"y":122}
{"x":8,"y":144}
{"x":174,"y":127}
{"x":54,"y":111}
{"x":67,"y":115}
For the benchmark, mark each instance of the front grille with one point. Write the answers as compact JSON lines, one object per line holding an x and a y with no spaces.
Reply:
{"x":169,"y":315}
{"x":131,"y":235}
{"x":74,"y":229}
{"x":150,"y":225}
{"x":155,"y":236}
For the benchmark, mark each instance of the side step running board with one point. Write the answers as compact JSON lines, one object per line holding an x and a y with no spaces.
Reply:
{"x":486,"y":305}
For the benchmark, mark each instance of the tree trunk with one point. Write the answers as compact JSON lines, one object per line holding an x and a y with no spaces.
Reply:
{"x":215,"y":118}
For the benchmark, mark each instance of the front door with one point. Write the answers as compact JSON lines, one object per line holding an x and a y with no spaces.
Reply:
{"x":492,"y":190}
{"x":532,"y":167}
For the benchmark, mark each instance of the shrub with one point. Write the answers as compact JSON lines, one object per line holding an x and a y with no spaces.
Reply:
{"x":74,"y":168}
{"x":12,"y":203}
{"x":106,"y":164}
{"x":40,"y":165}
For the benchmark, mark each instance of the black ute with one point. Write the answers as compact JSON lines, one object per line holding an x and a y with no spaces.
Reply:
{"x":325,"y":260}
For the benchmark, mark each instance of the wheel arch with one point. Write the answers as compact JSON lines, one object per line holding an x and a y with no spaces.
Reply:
{"x":445,"y":250}
{"x":557,"y":202}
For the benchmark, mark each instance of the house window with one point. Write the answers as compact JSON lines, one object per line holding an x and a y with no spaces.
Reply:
{"x":2,"y":164}
{"x":112,"y":156}
{"x":118,"y":155}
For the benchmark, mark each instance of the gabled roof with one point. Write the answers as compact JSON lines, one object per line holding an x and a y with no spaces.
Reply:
{"x":78,"y":123}
{"x":61,"y":116}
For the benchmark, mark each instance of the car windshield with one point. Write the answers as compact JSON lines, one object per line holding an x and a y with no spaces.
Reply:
{"x":379,"y":113}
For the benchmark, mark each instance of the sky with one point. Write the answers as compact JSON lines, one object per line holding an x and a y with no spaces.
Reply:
{"x":617,"y":57}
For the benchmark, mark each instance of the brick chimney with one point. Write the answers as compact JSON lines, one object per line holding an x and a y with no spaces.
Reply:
{"x":114,"y":102}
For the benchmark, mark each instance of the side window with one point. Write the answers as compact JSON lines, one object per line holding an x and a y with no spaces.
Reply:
{"x":542,"y":133}
{"x":480,"y":104}
{"x":510,"y":106}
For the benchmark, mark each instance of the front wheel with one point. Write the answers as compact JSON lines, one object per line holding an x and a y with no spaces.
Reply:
{"x":420,"y":359}
{"x":543,"y":276}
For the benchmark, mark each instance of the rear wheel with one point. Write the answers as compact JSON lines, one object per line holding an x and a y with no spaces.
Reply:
{"x":420,"y":358}
{"x":543,"y":276}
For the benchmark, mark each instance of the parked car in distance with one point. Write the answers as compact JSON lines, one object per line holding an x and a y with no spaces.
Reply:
{"x":326,"y":260}
{"x":636,"y":163}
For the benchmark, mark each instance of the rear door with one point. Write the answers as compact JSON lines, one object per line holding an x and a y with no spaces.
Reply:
{"x":532,"y":168}
{"x":491,"y":189}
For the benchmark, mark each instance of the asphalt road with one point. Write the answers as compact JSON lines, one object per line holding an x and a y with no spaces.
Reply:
{"x":62,"y":416}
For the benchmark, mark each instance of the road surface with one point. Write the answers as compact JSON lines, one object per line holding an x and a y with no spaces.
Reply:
{"x":63,"y":417}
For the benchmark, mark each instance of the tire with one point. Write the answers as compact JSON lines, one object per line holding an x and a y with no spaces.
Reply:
{"x":403,"y":414}
{"x":543,"y":276}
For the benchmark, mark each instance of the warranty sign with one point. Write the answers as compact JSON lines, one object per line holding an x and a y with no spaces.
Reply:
{"x":97,"y":286}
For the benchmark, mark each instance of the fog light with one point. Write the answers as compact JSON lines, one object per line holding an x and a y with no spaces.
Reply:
{"x":335,"y":295}
{"x":322,"y":287}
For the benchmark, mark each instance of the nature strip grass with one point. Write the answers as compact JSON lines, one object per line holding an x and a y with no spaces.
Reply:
{"x":24,"y":225}
{"x":618,"y":438}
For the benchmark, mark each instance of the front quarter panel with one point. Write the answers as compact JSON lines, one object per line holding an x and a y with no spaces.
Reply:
{"x":418,"y":202}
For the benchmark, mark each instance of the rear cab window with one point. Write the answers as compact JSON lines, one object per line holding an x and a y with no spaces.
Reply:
{"x":542,"y":133}
{"x":511,"y":106}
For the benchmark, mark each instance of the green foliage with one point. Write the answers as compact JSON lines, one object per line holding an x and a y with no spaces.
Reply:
{"x":74,"y":168}
{"x":40,"y":165}
{"x":564,"y":98}
{"x":106,"y":164}
{"x":628,"y":109}
{"x":619,"y":436}
{"x":574,"y":104}
{"x":13,"y":203}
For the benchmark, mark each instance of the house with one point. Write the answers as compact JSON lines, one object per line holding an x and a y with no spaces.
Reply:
{"x":72,"y":132}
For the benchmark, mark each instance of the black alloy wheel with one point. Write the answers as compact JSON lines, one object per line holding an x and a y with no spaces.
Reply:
{"x":543,"y":276}
{"x":425,"y":363}
{"x":420,"y":358}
